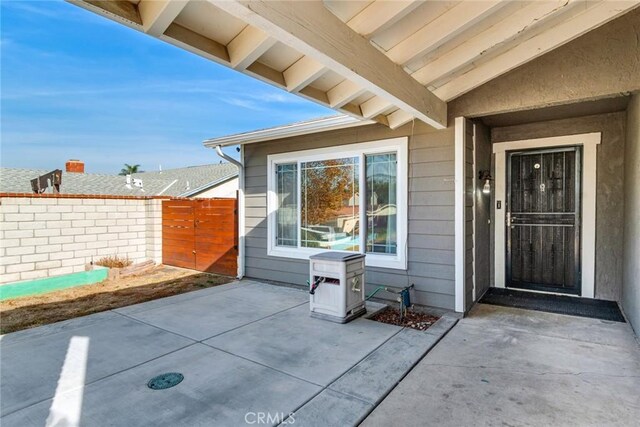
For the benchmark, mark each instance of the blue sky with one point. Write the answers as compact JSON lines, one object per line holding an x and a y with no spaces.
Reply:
{"x":76,"y":85}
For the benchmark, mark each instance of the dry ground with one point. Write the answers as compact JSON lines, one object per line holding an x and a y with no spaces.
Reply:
{"x":30,"y":311}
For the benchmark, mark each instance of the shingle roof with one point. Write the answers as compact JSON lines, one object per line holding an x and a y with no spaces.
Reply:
{"x":192,"y":177}
{"x":171,"y":182}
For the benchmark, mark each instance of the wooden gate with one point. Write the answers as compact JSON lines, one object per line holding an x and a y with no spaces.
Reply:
{"x":201,"y":234}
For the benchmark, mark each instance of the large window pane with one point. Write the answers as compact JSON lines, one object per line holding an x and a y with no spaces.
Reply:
{"x":381,"y":173}
{"x":287,"y":210}
{"x":329,"y":202}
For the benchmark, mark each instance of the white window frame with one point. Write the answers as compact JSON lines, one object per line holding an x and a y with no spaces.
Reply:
{"x":398,"y":145}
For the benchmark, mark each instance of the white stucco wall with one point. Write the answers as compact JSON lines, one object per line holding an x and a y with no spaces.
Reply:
{"x":631,"y":259}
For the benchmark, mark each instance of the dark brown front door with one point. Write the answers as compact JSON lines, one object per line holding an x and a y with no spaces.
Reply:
{"x":543,"y":220}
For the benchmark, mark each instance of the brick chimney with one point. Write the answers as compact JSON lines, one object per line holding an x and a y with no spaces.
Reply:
{"x":75,"y":166}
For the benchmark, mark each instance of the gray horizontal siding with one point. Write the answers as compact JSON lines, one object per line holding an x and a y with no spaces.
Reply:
{"x":428,"y":170}
{"x":257,"y":232}
{"x":433,"y":198}
{"x":417,"y":185}
{"x":426,"y":241}
{"x":275,"y":276}
{"x":437,"y":228}
{"x":436,"y":213}
{"x":432,"y":154}
{"x":431,"y":212}
{"x":255,"y":201}
{"x":431,"y":256}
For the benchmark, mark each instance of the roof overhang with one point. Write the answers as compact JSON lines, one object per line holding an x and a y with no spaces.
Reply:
{"x":323,"y":124}
{"x":386,"y":61}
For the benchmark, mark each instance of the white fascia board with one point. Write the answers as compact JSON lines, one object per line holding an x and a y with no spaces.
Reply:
{"x":294,"y":129}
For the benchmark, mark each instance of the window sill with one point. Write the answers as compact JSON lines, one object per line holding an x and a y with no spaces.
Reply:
{"x":371,"y":260}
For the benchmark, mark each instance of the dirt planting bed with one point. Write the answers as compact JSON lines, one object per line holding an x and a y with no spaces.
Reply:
{"x":411,"y":319}
{"x":30,"y":311}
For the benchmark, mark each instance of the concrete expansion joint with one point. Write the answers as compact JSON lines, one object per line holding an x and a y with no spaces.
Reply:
{"x":250,"y":323}
{"x":155,"y":326}
{"x":559,"y":337}
{"x":516,"y":371}
{"x":194,"y":342}
{"x":352,"y":395}
{"x":201,"y":341}
{"x":263,"y":365}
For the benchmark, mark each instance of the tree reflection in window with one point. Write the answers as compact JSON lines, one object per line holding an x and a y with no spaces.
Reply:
{"x":329,"y":202}
{"x":287,"y":212}
{"x":381,"y":173}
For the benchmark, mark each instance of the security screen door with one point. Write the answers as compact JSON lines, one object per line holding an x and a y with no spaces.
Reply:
{"x":543,"y":220}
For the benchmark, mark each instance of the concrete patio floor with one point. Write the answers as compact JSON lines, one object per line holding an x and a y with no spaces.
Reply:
{"x":244,"y":348}
{"x":503,"y":366}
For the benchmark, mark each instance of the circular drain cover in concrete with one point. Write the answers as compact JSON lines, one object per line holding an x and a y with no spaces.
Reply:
{"x":163,"y":381}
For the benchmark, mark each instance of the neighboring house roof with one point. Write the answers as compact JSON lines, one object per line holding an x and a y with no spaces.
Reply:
{"x":172,"y":182}
{"x":321,"y":124}
{"x":191,"y":180}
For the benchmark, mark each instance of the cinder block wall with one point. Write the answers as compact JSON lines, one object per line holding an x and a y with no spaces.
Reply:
{"x":153,"y":230}
{"x":52,"y":236}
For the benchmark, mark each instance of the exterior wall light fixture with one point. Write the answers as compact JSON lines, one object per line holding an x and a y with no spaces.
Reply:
{"x":485,"y":175}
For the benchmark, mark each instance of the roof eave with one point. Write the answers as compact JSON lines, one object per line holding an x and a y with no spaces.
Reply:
{"x":287,"y":131}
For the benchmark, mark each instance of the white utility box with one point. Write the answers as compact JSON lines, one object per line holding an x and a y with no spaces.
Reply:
{"x":337,"y":286}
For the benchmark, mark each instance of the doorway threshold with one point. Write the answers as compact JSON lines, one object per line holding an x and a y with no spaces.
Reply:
{"x":559,"y":304}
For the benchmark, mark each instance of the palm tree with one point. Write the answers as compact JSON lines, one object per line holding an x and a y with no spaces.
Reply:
{"x":129,"y":169}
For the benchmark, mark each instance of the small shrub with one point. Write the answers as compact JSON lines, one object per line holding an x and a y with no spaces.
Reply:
{"x":114,"y":261}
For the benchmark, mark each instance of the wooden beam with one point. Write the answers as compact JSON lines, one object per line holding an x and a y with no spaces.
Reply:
{"x":319,"y":96}
{"x":314,"y":31}
{"x":302,"y":73}
{"x":443,"y":28}
{"x":343,"y":93}
{"x":539,"y":44}
{"x":157,"y":15}
{"x":266,"y":74}
{"x":208,"y":48}
{"x":119,"y":10}
{"x":374,"y":106}
{"x":193,"y":42}
{"x":248,"y":46}
{"x":380,"y":15}
{"x":314,"y":94}
{"x":497,"y":36}
{"x":398,"y":118}
{"x":354,"y":111}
